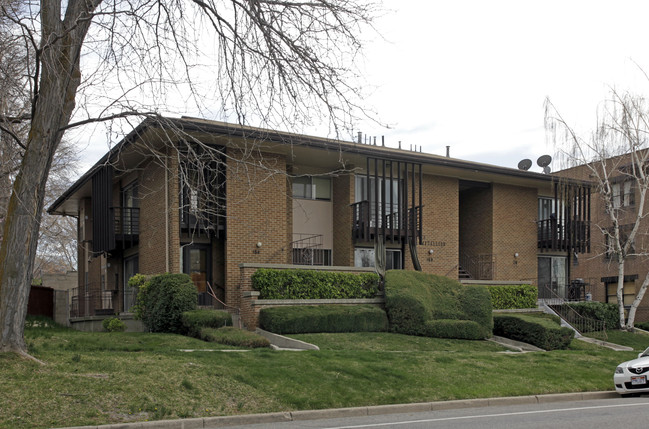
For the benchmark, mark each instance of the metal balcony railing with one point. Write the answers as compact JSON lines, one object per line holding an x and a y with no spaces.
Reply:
{"x":563,"y":235}
{"x":390,"y":221}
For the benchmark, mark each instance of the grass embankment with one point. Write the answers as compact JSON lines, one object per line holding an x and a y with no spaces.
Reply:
{"x":98,"y":378}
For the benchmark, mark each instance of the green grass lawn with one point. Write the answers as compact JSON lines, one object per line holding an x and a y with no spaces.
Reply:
{"x":99,"y":378}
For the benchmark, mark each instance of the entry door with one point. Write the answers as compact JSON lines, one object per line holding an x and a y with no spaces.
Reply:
{"x":552,"y":276}
{"x":197,"y":263}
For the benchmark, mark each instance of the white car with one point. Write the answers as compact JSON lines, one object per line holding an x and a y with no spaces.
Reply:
{"x":631,"y":377}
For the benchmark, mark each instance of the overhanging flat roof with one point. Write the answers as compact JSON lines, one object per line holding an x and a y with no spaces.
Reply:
{"x":300,"y":147}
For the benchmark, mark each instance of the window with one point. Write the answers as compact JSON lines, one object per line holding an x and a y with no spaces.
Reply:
{"x":312,"y":188}
{"x":628,"y":292}
{"x":202,"y":189}
{"x":545,"y":208}
{"x":391,"y":189}
{"x":551,"y":220}
{"x":386,"y":186}
{"x":548,"y":208}
{"x":623,"y":194}
{"x":552,"y":275}
{"x":130,"y":216}
{"x":364,"y":257}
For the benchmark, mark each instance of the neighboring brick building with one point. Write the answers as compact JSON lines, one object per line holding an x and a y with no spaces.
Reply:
{"x":598,"y":267}
{"x":281,"y":198}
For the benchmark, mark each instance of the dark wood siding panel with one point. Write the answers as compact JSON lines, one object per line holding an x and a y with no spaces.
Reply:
{"x":103,"y":234}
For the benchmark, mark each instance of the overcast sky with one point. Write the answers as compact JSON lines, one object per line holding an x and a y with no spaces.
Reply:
{"x":474,"y":74}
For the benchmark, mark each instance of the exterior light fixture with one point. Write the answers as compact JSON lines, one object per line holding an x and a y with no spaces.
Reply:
{"x":430,"y":252}
{"x":258,"y":244}
{"x":516,"y":255}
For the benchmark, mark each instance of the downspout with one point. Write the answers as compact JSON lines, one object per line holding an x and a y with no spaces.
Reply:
{"x":166,"y":214}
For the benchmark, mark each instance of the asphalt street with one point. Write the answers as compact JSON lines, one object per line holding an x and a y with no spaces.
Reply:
{"x":625,"y":413}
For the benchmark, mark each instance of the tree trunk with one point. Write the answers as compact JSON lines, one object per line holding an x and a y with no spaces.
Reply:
{"x":636,"y":302}
{"x":19,"y":243}
{"x":620,"y":292}
{"x":53,"y":105}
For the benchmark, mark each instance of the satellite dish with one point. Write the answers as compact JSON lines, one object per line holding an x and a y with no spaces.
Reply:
{"x":546,"y":169}
{"x":525,"y":164}
{"x":544,"y":161}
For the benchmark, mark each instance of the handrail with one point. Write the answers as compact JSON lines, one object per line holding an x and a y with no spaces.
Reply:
{"x":311,"y":241}
{"x":481,"y":267}
{"x":580,"y":323}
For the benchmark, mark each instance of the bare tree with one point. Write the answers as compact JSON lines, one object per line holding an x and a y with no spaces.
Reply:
{"x":13,"y":106}
{"x":616,"y":157}
{"x":57,"y":235}
{"x":272,"y":63}
{"x":57,"y":242}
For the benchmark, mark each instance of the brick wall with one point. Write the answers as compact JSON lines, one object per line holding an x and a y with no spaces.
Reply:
{"x":257,"y":212}
{"x":343,"y":197}
{"x":515,"y":231}
{"x":173,"y":214}
{"x":440,"y":227}
{"x":152,"y":219}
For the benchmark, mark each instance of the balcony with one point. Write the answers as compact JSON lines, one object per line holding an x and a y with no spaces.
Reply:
{"x":573,"y":235}
{"x":390,"y":222}
{"x":126,"y":225}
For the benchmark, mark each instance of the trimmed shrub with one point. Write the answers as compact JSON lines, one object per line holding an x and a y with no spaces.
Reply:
{"x":323,"y":318}
{"x":412,"y":299}
{"x":534,"y":332}
{"x":504,"y":297}
{"x":603,"y":311}
{"x":113,"y":324}
{"x":163,"y":299}
{"x":458,"y":329}
{"x":642,"y":325}
{"x":193,"y":321}
{"x":310,"y":284}
{"x":231,"y":336}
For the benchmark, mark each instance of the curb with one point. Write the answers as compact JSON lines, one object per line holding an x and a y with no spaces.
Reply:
{"x":289,"y":416}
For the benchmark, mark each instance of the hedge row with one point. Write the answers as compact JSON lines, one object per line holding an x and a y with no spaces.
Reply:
{"x":504,"y":297}
{"x":462,"y":329}
{"x":427,"y":305}
{"x":533,"y":332}
{"x":195,"y":320}
{"x":310,"y":284}
{"x":323,"y":318}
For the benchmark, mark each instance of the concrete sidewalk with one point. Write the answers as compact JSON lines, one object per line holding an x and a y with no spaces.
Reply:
{"x":288,"y":416}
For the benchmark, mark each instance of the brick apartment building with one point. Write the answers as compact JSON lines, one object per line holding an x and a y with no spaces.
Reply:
{"x":282,"y":198}
{"x":598,"y":267}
